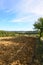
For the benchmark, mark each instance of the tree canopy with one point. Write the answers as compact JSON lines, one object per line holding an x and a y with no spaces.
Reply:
{"x":39,"y":25}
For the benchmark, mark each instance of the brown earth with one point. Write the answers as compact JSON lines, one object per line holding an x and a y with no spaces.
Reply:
{"x":18,"y":51}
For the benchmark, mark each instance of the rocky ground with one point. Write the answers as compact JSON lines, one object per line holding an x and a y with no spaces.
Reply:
{"x":21,"y":50}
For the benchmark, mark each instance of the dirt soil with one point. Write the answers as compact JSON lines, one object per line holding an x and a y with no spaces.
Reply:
{"x":18,"y":51}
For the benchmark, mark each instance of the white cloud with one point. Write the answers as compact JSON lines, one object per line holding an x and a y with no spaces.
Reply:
{"x":18,"y":19}
{"x":31,"y":6}
{"x":22,"y":6}
{"x":23,"y":19}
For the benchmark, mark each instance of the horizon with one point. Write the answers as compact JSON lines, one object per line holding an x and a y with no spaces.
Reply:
{"x":19,"y":15}
{"x":18,"y":30}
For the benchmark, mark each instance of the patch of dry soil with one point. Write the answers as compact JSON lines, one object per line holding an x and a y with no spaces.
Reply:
{"x":17,"y":51}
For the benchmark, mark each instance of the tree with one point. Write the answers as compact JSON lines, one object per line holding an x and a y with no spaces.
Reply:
{"x":39,"y":25}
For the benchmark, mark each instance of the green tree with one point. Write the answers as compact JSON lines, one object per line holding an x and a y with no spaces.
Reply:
{"x":38,"y":25}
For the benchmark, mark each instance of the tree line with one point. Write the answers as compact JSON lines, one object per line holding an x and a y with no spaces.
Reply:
{"x":6,"y":33}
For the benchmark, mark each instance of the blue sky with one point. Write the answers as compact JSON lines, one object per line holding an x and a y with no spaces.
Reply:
{"x":19,"y":15}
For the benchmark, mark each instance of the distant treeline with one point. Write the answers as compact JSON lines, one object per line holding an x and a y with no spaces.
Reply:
{"x":13,"y":33}
{"x":6,"y":33}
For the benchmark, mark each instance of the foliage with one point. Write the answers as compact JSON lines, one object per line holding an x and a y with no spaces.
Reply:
{"x":18,"y":33}
{"x":38,"y":23}
{"x":6,"y":33}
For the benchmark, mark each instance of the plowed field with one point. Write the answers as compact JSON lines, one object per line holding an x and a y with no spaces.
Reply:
{"x":20,"y":50}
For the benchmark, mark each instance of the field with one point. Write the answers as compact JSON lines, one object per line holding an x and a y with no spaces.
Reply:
{"x":21,"y":50}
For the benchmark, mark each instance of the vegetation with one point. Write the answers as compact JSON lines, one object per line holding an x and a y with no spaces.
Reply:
{"x":6,"y":33}
{"x":38,"y":25}
{"x":17,"y":33}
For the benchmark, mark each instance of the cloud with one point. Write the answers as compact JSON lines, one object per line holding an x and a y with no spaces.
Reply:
{"x":23,"y":9}
{"x":22,"y":6}
{"x":18,"y":19}
{"x":23,"y":19}
{"x":32,"y":6}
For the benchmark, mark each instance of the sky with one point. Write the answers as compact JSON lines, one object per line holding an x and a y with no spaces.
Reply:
{"x":19,"y":15}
